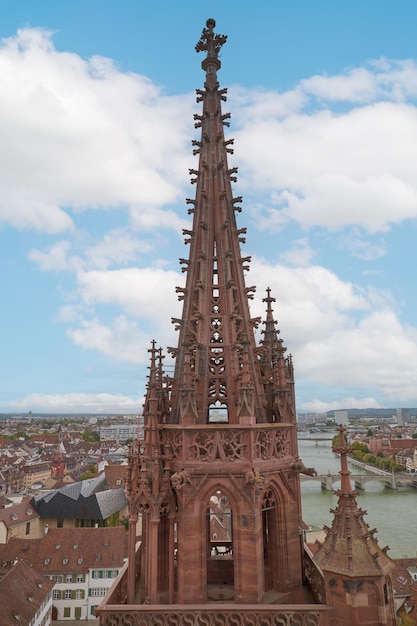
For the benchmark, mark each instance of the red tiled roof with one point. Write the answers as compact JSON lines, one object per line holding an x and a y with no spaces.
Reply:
{"x":18,"y":514}
{"x":72,"y":550}
{"x":115,"y":475}
{"x":25,"y":589}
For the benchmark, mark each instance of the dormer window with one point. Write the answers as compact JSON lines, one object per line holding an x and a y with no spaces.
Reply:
{"x":47,"y":561}
{"x":65,"y":561}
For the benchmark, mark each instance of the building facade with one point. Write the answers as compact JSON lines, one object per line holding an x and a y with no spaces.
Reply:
{"x":81,"y":563}
{"x":119,"y":432}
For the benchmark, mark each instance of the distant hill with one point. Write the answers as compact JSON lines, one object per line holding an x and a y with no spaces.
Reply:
{"x":372,"y":412}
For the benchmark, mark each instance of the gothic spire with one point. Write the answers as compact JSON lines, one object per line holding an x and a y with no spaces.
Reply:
{"x":217,"y":376}
{"x":350,"y":547}
{"x":276,"y":369}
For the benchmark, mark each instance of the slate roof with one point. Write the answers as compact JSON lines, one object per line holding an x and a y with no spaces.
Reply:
{"x":25,"y":590}
{"x":87,"y":499}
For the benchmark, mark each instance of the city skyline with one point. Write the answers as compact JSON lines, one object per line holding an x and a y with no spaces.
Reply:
{"x":96,"y":124}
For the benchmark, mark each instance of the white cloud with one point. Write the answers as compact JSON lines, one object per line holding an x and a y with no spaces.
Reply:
{"x":146,"y":299}
{"x":334,"y":152}
{"x":120,"y":341}
{"x":76,"y":403}
{"x":330,"y":169}
{"x":385,"y":79}
{"x":362,"y":248}
{"x":341,"y":336}
{"x":143,"y":292}
{"x":300,"y":253}
{"x":358,"y":85}
{"x":80,"y":133}
{"x":55,"y":258}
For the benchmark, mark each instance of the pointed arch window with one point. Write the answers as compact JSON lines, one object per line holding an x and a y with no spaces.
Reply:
{"x":220,"y":563}
{"x":220,"y":524}
{"x":218,"y":413}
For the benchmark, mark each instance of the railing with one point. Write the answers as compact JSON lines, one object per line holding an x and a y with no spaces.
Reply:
{"x":113,"y":610}
{"x":314,"y":577}
{"x":229,"y":444}
{"x":117,"y":594}
{"x":218,"y":615}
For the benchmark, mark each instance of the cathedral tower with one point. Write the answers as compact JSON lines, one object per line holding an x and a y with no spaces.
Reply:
{"x":216,"y":478}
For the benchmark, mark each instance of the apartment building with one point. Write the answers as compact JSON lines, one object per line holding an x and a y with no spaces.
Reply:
{"x":82,"y":564}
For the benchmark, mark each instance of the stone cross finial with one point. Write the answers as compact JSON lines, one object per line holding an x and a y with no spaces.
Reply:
{"x":209,"y":41}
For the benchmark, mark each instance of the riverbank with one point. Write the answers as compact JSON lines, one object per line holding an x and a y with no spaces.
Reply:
{"x":391,"y":512}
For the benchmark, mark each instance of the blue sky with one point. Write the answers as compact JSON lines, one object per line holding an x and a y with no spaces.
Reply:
{"x":96,"y":121}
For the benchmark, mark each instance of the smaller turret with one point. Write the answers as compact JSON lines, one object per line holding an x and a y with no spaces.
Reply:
{"x":356,"y":571}
{"x":277,"y":370}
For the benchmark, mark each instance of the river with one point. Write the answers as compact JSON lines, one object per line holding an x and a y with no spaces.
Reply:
{"x":391,"y":512}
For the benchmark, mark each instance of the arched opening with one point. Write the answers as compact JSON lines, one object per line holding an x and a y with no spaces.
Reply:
{"x":270,"y":540}
{"x":218,"y":413}
{"x":220,"y":563}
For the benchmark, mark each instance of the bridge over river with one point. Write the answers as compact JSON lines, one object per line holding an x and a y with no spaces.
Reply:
{"x":392,"y":481}
{"x":389,"y":479}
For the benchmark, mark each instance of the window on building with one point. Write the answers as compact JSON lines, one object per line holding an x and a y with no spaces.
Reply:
{"x":56,"y":595}
{"x":60,"y":523}
{"x":68,"y":578}
{"x":93,"y":609}
{"x":27,"y":528}
{"x":105,"y":573}
{"x":68,"y":594}
{"x":57,"y":579}
{"x":97,"y":592}
{"x":67,"y":611}
{"x":79,"y":594}
{"x":80,"y":578}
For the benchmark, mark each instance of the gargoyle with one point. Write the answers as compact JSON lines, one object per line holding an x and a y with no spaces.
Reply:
{"x":298,"y":466}
{"x":179,"y":479}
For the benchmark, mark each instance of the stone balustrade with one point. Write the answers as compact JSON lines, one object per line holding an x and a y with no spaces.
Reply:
{"x":214,"y":615}
{"x":228,"y":444}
